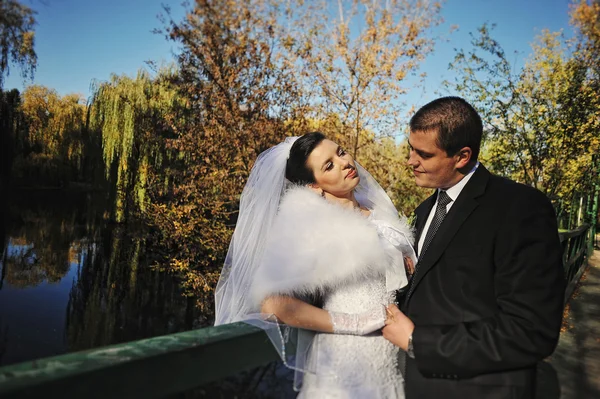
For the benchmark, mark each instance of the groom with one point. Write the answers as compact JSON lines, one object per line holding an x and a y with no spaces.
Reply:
{"x":485,"y":302}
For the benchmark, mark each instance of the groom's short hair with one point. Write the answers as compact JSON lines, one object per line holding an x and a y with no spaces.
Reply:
{"x":456,"y":122}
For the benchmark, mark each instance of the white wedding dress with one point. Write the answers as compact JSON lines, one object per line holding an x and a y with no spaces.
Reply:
{"x":289,"y":241}
{"x":348,"y":366}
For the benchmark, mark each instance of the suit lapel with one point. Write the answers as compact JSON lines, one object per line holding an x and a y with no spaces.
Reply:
{"x":459,"y":212}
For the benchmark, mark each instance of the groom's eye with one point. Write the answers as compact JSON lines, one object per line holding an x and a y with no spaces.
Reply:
{"x":424,"y":155}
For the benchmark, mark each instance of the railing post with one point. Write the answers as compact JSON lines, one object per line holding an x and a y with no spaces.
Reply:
{"x":593,"y":217}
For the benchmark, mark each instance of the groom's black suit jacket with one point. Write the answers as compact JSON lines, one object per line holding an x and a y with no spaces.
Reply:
{"x":488,"y":296}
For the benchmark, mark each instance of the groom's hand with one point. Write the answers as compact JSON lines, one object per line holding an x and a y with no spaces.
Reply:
{"x":398,"y":327}
{"x":409,"y":266}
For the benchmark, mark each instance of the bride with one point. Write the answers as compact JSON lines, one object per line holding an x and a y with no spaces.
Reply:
{"x":319,"y":246}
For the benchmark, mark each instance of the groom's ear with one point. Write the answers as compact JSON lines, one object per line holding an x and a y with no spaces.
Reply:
{"x":463,"y":157}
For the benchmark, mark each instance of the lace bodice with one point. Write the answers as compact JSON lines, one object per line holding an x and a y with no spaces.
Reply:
{"x":350,"y":366}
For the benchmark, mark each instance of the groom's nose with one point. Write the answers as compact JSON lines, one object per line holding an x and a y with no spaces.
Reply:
{"x":412,"y":159}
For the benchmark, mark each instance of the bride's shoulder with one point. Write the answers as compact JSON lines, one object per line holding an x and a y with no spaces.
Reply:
{"x":296,"y":192}
{"x":299,"y":198}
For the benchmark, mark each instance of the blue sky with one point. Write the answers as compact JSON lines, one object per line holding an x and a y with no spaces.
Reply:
{"x":78,"y":41}
{"x":517,"y":24}
{"x":81,"y":40}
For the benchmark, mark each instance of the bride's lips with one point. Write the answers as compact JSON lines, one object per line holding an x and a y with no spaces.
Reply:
{"x":351,"y":174}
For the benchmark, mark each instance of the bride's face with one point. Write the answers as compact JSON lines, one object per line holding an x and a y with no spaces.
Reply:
{"x":334,"y":169}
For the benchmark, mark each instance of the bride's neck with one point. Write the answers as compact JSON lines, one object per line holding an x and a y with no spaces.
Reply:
{"x":349,"y":202}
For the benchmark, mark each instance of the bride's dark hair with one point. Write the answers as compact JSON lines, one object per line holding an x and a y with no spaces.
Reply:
{"x":296,"y":169}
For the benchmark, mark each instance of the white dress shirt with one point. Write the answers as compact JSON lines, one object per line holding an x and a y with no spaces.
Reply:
{"x":453,"y":192}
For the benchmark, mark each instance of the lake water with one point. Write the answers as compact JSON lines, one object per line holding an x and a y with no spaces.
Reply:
{"x":70,"y":281}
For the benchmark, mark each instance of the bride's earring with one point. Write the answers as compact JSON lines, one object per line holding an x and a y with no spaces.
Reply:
{"x":322,"y":193}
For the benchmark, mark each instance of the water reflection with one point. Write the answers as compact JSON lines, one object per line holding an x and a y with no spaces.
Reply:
{"x":70,"y":282}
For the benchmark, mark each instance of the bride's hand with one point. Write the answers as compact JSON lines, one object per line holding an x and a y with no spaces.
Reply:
{"x":409,"y":265}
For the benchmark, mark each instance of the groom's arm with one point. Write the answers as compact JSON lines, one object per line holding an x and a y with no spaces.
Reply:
{"x":529,"y":286}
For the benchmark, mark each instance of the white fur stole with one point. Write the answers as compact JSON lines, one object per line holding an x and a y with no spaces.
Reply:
{"x":314,"y":245}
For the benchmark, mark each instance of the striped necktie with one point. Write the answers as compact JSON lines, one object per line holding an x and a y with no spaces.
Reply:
{"x":440,"y":213}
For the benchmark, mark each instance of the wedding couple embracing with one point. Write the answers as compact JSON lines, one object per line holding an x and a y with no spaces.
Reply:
{"x":463,"y":305}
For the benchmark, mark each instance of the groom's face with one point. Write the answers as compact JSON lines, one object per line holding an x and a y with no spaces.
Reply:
{"x":431,"y":165}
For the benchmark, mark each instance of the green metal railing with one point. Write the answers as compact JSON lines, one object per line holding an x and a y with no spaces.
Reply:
{"x":576,"y":249}
{"x":149,"y":368}
{"x":166,"y":365}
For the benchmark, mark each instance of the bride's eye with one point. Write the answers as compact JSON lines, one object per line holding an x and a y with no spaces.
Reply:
{"x":329,"y":166}
{"x":341,"y":152}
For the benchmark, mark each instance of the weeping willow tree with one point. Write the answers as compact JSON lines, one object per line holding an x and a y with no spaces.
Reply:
{"x":132,"y":115}
{"x":51,"y":147}
{"x":17,"y":39}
